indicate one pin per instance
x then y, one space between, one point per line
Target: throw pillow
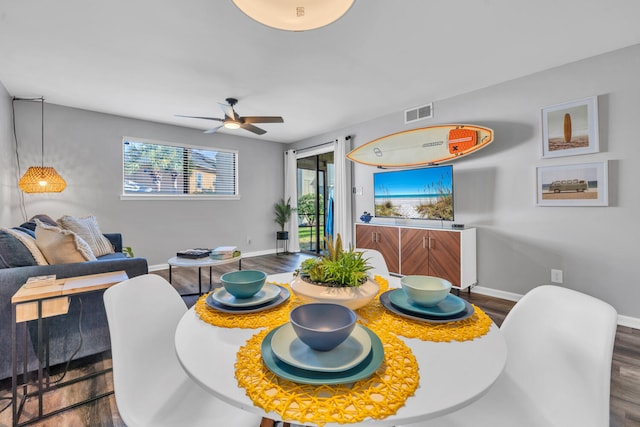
18 249
88 229
31 224
61 246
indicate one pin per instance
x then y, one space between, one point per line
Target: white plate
264 295
287 347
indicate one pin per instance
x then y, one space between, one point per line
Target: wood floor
625 374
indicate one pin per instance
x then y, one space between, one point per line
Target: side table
38 304
200 262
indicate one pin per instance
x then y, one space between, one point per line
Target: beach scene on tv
425 193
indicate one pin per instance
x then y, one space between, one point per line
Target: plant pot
282 235
352 297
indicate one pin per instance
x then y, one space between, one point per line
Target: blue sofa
87 314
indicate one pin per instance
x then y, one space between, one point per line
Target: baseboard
628 321
509 296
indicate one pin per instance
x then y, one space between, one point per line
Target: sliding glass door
315 200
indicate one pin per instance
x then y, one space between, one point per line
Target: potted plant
283 212
339 276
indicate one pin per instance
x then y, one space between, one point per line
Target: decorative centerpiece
338 277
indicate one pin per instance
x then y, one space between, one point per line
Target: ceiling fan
234 121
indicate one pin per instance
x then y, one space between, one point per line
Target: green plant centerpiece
337 268
339 276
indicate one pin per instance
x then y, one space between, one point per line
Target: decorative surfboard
423 146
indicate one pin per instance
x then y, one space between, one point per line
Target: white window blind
158 168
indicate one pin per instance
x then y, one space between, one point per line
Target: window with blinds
152 168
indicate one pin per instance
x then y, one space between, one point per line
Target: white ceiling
152 59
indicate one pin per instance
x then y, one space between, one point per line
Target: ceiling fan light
42 179
294 15
231 124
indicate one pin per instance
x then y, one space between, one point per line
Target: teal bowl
427 291
243 283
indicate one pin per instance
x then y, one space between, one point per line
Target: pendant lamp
294 15
42 179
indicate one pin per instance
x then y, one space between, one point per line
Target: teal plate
267 293
386 302
450 306
303 376
286 346
282 297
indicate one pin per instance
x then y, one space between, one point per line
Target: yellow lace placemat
380 320
376 397
267 318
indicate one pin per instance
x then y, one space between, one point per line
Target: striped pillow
87 228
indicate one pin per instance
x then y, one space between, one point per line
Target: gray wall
86 149
518 242
9 194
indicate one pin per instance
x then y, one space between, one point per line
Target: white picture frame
580 184
570 128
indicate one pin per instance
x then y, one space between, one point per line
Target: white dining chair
558 371
376 260
151 388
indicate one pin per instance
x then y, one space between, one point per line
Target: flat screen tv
424 193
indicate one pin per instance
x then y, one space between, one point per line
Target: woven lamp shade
42 179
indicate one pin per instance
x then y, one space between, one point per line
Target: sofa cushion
115 255
61 246
18 249
87 228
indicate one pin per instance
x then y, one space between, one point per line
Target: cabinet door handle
373 237
424 242
432 244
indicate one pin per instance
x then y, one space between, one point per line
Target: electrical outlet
556 276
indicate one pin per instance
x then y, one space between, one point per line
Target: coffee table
200 263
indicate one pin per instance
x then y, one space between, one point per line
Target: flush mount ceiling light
294 15
42 179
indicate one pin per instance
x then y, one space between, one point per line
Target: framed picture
582 184
570 129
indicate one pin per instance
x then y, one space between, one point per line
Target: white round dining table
452 374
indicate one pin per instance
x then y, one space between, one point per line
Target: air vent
418 113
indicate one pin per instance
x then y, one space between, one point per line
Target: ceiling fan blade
263 119
252 128
213 130
228 111
199 117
